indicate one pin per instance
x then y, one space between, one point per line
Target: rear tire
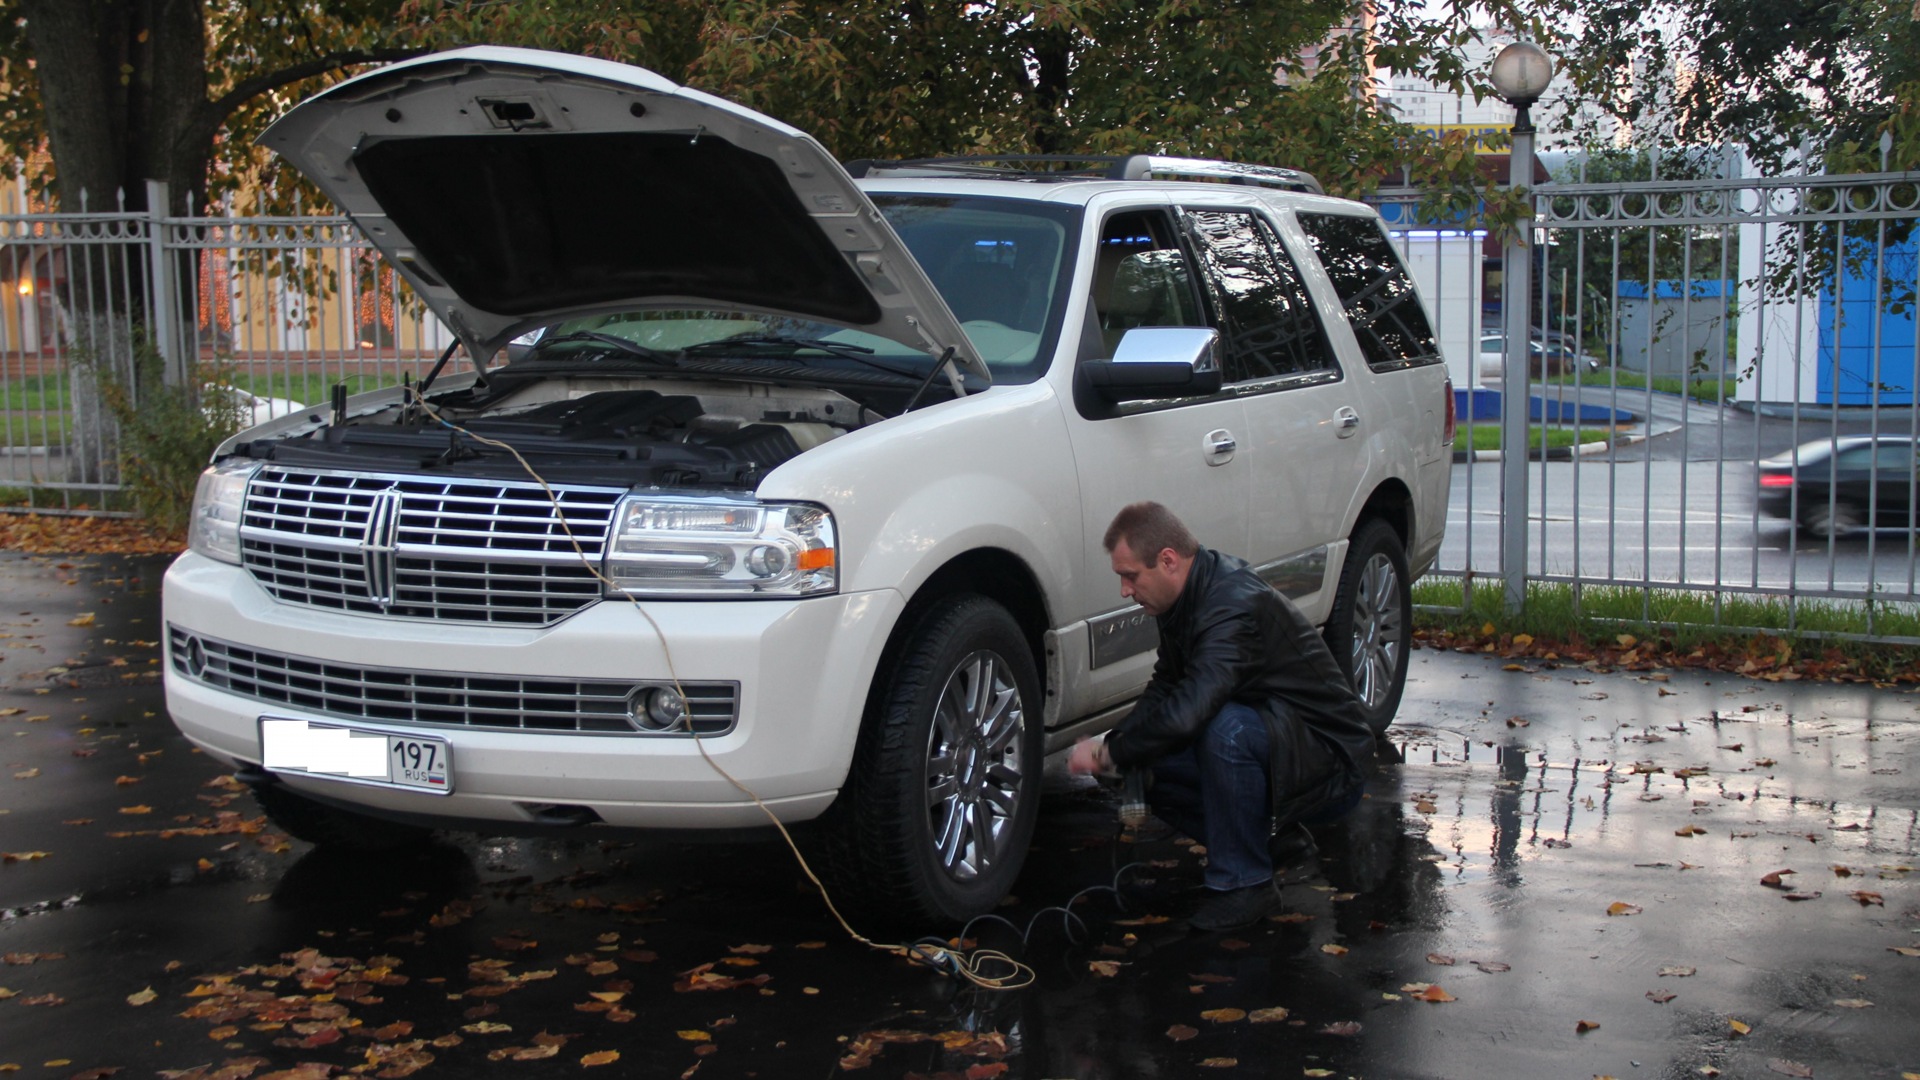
1829 522
330 827
939 804
1371 629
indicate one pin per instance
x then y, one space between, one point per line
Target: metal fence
1689 335
1687 330
267 313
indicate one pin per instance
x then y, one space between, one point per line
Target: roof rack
1091 167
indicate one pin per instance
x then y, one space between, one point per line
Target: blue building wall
1847 375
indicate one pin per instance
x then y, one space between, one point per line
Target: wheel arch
1392 502
992 572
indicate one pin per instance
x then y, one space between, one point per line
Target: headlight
667 547
217 503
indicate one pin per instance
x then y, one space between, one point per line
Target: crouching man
1248 726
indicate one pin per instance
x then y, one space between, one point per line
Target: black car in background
1830 487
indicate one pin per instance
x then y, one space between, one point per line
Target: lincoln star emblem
378 543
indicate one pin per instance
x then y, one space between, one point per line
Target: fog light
766 561
658 709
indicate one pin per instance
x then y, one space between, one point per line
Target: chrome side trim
1299 575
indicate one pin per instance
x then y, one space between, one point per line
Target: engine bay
583 431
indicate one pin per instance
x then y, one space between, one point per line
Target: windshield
1000 264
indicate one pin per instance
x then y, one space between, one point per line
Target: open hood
514 187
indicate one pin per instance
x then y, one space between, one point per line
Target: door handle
1220 445
1345 421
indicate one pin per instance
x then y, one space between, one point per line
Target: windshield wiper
787 346
775 343
630 348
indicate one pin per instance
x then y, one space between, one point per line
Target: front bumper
803 668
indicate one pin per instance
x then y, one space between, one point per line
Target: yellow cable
966 965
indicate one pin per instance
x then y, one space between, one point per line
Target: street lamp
1520 74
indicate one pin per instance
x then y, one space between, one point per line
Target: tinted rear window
1382 305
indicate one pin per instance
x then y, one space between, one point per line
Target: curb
1558 453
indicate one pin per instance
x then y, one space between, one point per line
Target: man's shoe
1235 908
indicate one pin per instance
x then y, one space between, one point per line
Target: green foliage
167 433
1800 83
1682 619
1282 82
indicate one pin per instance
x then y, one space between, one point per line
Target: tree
126 90
1803 83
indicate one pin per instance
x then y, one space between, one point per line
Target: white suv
782 474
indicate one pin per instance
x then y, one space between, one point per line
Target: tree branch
223 106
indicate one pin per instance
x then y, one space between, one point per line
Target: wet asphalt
1573 858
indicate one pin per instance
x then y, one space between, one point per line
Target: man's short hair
1149 528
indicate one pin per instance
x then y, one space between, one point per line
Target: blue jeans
1216 791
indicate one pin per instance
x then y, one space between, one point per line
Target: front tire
939 804
1371 629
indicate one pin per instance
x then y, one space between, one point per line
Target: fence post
161 311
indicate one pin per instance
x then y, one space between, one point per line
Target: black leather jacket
1231 638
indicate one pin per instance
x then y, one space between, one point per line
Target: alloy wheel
975 764
1379 630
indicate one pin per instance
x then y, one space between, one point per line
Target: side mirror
1159 362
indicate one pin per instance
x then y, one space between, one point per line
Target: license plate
365 757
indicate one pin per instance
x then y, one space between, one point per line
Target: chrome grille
457 699
412 547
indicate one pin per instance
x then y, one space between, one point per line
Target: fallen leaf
1867 898
1290 917
1334 950
600 1057
1763 763
1317 1072
83 619
1181 1032
1660 997
26 774
136 809
1677 972
1904 950
1440 958
1772 880
1840 870
1788 1068
486 1027
1689 830
1267 1016
749 950
1854 1003
1814 895
1104 968
1492 967
1621 907
1219 1062
144 997
1343 1027
694 1035
1584 1026
1740 1028
1435 995
1224 1016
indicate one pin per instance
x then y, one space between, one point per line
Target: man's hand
1089 758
